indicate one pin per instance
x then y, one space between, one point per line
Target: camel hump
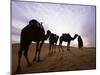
36 24
33 22
66 35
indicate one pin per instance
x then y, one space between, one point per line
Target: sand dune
75 59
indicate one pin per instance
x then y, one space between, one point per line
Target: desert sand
75 59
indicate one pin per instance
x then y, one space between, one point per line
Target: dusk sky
58 18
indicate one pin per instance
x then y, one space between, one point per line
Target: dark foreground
75 59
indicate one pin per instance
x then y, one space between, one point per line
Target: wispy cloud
59 18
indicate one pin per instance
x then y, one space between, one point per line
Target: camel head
33 22
75 36
57 36
48 34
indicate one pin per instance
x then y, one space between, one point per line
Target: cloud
15 34
15 31
59 18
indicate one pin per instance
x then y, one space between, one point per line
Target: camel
34 31
80 42
66 38
56 40
52 42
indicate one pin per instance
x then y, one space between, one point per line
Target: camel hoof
18 69
38 60
34 59
29 65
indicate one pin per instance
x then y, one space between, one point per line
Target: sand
75 59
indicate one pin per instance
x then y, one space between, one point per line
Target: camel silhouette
66 38
52 43
34 31
80 42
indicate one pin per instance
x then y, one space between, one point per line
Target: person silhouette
80 42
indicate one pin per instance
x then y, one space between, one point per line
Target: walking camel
56 40
66 38
34 31
52 43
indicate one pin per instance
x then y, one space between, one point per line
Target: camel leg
36 51
26 53
62 49
60 46
55 48
49 49
55 45
52 48
68 46
39 50
19 59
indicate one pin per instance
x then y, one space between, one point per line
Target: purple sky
59 18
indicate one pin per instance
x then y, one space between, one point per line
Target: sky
58 18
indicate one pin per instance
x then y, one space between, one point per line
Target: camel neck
74 38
